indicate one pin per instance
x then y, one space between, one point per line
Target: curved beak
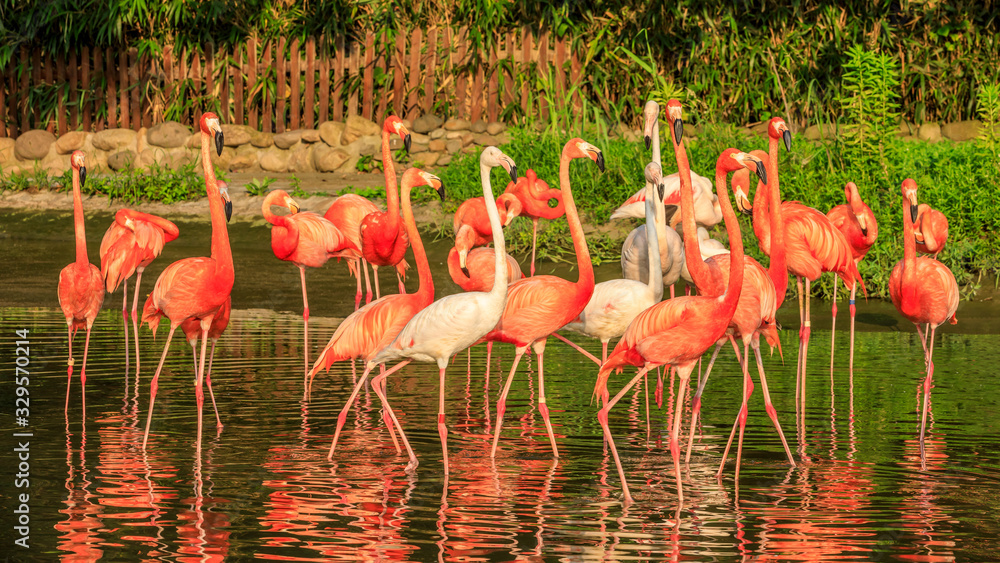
662 190
786 136
678 129
649 141
292 206
597 156
406 142
743 202
913 212
219 141
863 223
761 171
508 164
83 175
510 217
227 204
438 186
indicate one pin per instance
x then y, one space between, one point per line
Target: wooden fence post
368 83
430 64
522 68
310 109
135 85
461 72
492 93
381 60
355 63
543 71
279 66
398 75
338 80
269 95
296 80
62 93
413 78
252 105
324 81
238 92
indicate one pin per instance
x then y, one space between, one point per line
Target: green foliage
870 106
988 110
365 164
257 186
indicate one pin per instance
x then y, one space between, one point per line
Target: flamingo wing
814 246
367 330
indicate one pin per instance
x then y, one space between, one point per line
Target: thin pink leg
69 363
125 321
199 388
489 354
442 429
402 286
658 394
645 387
802 328
368 283
386 418
927 397
604 352
768 405
154 384
671 291
696 401
741 420
684 375
602 417
357 275
211 394
342 417
853 310
305 318
502 401
534 242
378 384
579 349
833 326
83 370
542 405
135 316
378 290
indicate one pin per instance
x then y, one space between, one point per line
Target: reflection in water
263 489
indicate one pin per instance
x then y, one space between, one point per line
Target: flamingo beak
511 168
227 204
663 190
761 171
863 223
649 141
438 186
465 272
599 159
786 136
913 212
743 203
219 141
407 140
292 206
83 175
678 129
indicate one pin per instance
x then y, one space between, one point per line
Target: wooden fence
286 85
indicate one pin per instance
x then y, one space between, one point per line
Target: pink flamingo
131 243
857 222
304 239
81 287
472 225
372 327
924 291
535 196
540 305
450 324
930 230
346 213
383 243
479 269
678 331
192 331
195 288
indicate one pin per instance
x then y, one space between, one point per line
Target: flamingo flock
735 300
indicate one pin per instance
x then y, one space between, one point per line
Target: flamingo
81 287
708 246
535 197
678 331
923 291
812 246
450 324
383 243
479 269
304 239
192 331
857 222
346 213
131 243
195 288
540 305
472 225
616 302
930 230
372 327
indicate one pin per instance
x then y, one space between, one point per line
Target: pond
263 488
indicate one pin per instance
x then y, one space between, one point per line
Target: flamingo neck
732 295
78 224
283 244
575 228
653 242
499 250
426 287
221 252
697 267
170 231
656 142
778 267
909 274
389 170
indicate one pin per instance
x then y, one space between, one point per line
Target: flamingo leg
542 405
502 401
833 326
83 370
805 342
602 417
154 384
69 362
684 375
645 387
927 397
386 417
658 394
768 405
342 417
135 316
740 422
534 242
125 320
378 290
305 318
357 275
442 429
604 352
489 353
199 388
368 283
802 326
671 291
379 385
211 394
577 347
923 339
853 311
696 401
402 286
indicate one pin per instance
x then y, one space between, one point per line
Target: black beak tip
786 136
440 192
761 172
913 213
600 161
407 140
747 210
219 141
679 129
465 271
663 191
649 141
864 232
513 173
83 175
229 210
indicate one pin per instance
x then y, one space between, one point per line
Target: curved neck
575 228
389 170
736 259
220 233
656 142
499 251
909 250
426 287
700 274
653 243
78 226
778 267
170 231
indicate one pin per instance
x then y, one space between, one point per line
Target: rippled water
264 489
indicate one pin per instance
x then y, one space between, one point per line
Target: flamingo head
428 179
918 222
649 114
777 129
511 205
732 160
227 203
910 194
741 191
76 160
492 157
654 176
394 126
210 125
674 117
857 206
578 148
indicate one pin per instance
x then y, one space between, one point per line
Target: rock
310 136
418 147
112 139
454 135
437 145
70 142
428 158
395 143
437 133
467 139
479 126
6 149
56 164
456 124
930 132
453 146
408 124
194 141
274 160
147 158
356 127
168 134
819 131
962 130
368 145
176 157
121 159
34 144
485 140
141 143
445 160
328 159
495 128
631 136
300 159
503 138
427 123
236 135
242 162
758 128
262 140
222 161
906 129
287 139
331 132
420 138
